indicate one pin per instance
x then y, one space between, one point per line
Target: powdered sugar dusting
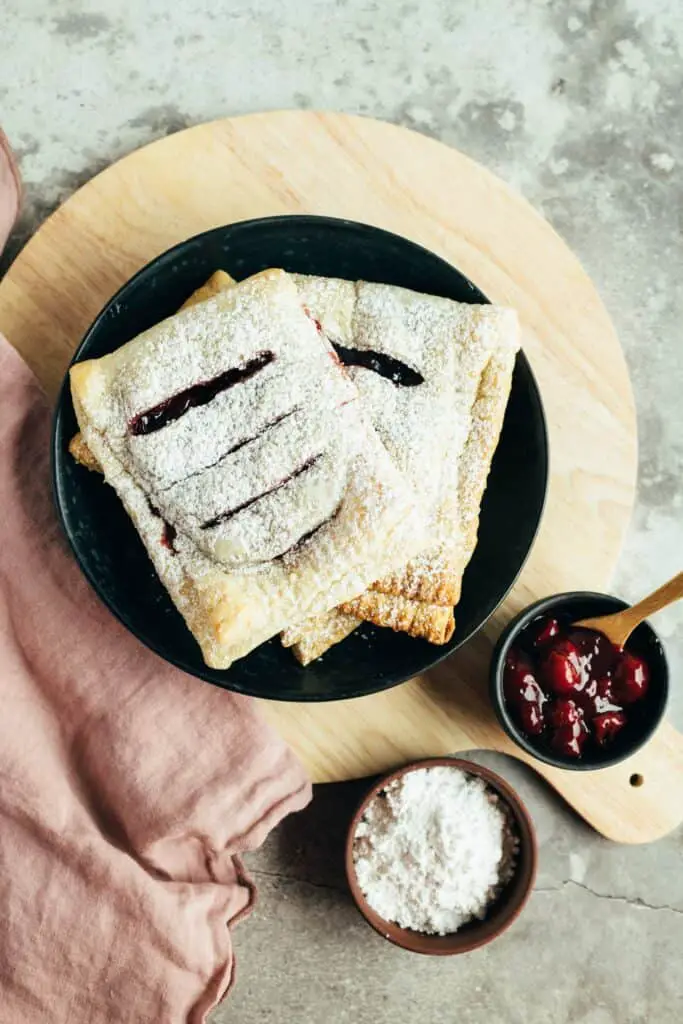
432 850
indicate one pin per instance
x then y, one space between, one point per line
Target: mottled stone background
577 104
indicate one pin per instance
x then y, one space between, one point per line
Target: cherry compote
571 689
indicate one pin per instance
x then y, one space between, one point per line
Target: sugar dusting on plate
433 850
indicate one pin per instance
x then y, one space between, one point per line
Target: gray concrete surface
578 104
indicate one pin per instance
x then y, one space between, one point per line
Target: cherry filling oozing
570 689
386 366
169 534
223 517
199 394
318 325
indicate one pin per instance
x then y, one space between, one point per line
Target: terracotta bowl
502 912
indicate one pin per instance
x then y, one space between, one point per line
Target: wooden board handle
637 801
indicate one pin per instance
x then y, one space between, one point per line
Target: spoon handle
660 598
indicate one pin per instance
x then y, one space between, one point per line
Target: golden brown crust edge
79 450
429 621
318 634
439 587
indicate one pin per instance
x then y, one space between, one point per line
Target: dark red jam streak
569 689
309 535
170 533
318 325
199 394
301 541
386 366
243 443
223 517
248 440
169 536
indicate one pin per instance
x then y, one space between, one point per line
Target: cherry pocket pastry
435 376
237 445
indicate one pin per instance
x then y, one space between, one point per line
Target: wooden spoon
619 626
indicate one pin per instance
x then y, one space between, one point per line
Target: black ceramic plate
112 556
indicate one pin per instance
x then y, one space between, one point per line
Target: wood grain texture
302 162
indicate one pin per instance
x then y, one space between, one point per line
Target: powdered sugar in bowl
441 856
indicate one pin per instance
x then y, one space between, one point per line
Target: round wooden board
365 170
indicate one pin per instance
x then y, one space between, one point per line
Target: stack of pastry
300 454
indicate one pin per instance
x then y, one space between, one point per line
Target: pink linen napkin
127 788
